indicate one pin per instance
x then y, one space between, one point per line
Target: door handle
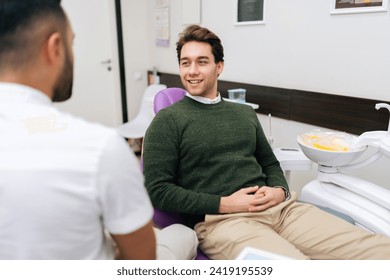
108 61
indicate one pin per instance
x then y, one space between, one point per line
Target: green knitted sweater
195 153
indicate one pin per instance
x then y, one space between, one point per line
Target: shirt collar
205 100
18 92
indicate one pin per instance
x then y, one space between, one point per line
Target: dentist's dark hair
24 26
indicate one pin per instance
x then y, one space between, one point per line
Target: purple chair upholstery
166 97
163 99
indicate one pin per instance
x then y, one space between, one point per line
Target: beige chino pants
176 242
293 229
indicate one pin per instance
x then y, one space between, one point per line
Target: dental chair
136 128
161 218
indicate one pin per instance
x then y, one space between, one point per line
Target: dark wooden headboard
337 112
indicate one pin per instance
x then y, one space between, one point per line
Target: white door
96 87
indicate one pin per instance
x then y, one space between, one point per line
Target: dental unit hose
387 106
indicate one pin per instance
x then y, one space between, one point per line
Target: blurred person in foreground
69 189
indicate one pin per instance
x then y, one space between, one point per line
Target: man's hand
240 201
251 199
266 197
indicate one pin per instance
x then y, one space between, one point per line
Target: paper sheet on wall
161 3
162 22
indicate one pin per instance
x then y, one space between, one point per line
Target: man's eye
203 62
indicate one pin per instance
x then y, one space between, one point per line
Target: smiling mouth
194 82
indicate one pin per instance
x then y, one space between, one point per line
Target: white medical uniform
63 182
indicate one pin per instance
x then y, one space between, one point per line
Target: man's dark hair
200 34
21 21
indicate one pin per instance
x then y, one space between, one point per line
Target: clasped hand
252 199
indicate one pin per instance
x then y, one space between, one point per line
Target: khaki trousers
293 229
176 242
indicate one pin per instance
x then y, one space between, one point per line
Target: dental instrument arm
387 106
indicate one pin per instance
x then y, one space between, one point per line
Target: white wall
301 46
136 22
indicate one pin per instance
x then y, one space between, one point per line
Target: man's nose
193 69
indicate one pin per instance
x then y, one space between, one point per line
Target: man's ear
220 66
54 48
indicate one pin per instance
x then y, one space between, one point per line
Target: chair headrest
166 97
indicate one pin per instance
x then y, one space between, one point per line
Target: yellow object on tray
329 141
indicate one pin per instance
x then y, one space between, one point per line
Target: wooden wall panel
336 112
349 114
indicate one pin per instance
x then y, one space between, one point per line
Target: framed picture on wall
249 12
357 6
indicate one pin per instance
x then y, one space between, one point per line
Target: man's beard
63 87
